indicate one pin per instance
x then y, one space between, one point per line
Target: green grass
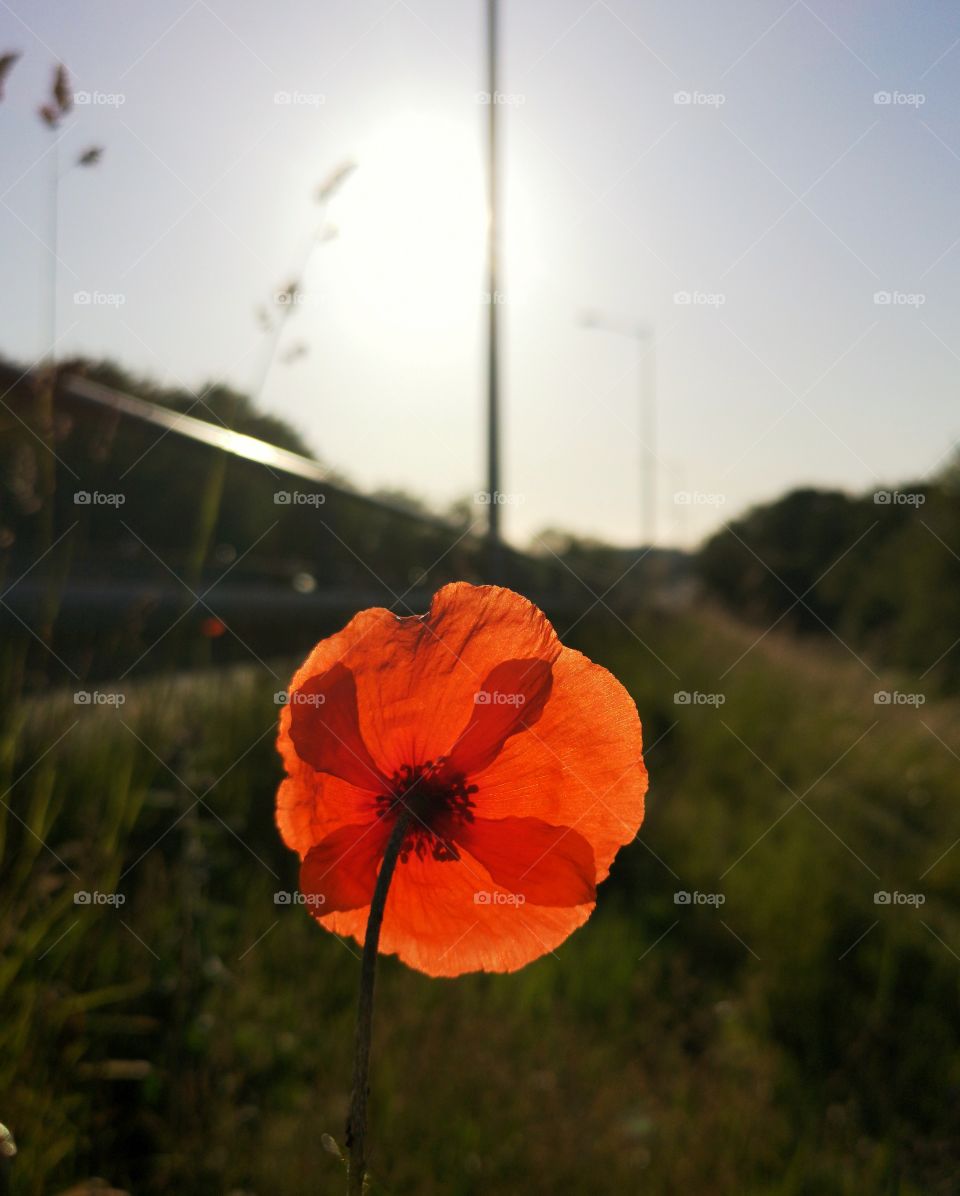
199 1038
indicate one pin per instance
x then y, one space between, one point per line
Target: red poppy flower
519 760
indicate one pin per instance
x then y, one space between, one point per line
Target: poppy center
437 799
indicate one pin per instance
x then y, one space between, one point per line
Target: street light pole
647 380
648 433
493 365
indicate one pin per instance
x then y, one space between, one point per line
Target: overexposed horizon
769 187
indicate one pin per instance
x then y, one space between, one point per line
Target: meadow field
780 1034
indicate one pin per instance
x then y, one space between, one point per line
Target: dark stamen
434 796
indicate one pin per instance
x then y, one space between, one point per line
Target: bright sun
412 220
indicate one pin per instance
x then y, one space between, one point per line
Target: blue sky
783 198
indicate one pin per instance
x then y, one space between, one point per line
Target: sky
765 190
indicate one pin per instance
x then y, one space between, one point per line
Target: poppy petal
581 766
441 918
532 860
510 698
417 677
340 872
325 729
311 804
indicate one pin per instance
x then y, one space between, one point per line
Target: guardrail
236 444
97 585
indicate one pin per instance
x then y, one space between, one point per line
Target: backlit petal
581 765
340 872
325 729
532 860
510 698
311 804
439 920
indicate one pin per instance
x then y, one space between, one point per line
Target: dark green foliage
884 577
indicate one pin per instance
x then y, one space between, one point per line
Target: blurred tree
882 575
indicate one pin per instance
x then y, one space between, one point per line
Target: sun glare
412 222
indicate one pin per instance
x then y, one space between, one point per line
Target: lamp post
643 336
493 308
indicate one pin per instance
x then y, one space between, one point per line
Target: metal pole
493 389
649 436
647 486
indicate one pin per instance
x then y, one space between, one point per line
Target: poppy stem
357 1119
